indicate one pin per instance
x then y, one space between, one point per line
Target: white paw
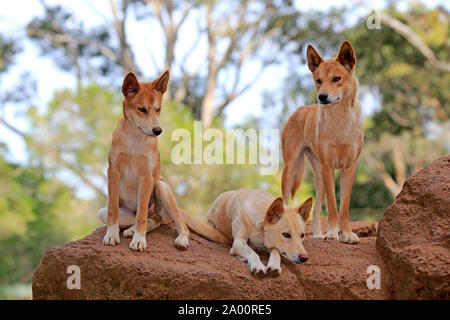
273 271
257 269
350 238
332 234
112 237
138 243
129 232
318 235
182 242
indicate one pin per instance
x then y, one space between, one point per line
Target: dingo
330 134
135 188
255 217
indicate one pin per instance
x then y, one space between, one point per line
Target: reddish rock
414 235
205 271
412 250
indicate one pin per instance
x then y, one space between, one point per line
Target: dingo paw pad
332 234
349 237
129 232
111 237
138 243
182 242
273 272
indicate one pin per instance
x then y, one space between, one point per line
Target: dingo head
334 78
142 104
284 229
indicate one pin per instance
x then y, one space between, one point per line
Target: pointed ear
305 208
275 211
346 56
160 84
130 86
314 59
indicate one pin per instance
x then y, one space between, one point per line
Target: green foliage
412 91
8 49
75 132
35 213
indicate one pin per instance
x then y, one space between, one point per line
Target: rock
361 228
414 235
412 249
205 271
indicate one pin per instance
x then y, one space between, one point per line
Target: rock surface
205 271
411 245
414 235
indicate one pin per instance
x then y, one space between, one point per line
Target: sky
16 14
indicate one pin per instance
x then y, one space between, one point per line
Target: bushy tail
298 176
203 229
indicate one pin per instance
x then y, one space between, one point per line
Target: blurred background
234 64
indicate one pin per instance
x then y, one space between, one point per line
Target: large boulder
412 250
205 271
414 235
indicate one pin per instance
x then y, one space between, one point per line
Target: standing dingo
330 135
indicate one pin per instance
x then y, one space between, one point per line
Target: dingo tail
203 229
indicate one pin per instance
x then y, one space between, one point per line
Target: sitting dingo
254 217
135 188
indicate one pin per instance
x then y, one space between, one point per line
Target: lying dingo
255 217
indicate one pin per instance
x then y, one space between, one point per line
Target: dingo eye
303 235
319 81
286 235
158 109
143 110
336 79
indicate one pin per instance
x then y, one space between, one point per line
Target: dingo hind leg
293 171
169 204
318 185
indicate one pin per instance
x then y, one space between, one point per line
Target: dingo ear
305 208
275 211
130 86
160 84
314 59
346 56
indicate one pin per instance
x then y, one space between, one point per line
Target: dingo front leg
139 243
328 179
347 176
273 266
241 249
112 224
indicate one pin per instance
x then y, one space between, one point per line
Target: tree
35 212
242 28
74 133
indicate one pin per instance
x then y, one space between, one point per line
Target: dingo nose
303 257
323 97
157 131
